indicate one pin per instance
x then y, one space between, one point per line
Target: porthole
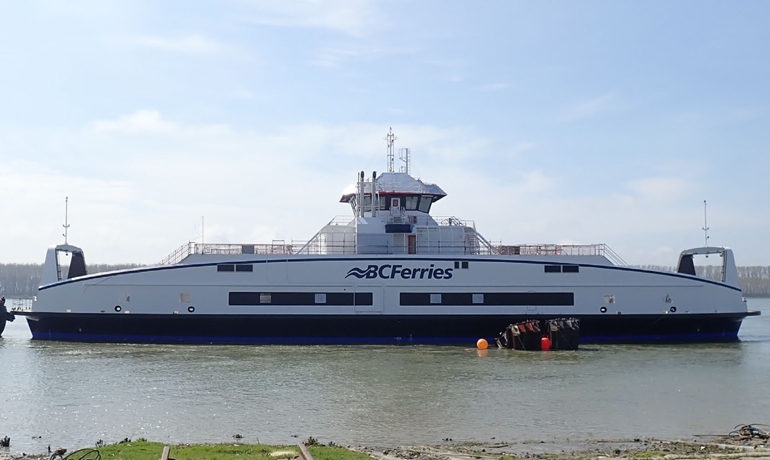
191 309
603 309
672 309
117 308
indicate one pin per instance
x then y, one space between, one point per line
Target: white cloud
452 77
590 107
397 111
194 44
352 18
245 95
148 121
337 55
138 185
332 57
493 87
520 147
660 188
451 70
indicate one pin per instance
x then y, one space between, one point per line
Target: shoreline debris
748 431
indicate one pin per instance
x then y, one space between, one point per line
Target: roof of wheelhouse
392 183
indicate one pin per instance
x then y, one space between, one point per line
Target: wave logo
388 271
370 272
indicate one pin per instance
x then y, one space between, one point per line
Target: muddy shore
714 447
605 449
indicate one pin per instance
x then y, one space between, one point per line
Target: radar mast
390 138
405 155
705 226
66 218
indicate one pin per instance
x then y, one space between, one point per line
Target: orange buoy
545 344
482 344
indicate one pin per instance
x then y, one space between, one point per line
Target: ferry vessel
392 273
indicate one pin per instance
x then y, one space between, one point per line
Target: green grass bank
145 450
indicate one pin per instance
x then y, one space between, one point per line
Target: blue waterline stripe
380 259
111 338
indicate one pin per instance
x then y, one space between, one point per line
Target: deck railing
20 305
329 241
184 251
599 249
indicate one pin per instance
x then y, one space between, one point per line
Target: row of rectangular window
301 298
561 268
488 298
235 268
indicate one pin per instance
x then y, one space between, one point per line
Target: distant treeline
755 281
22 280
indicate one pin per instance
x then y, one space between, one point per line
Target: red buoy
545 344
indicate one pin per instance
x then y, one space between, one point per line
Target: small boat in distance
392 273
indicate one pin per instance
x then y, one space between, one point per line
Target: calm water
74 394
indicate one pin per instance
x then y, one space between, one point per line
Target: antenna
405 155
66 218
391 139
705 225
203 228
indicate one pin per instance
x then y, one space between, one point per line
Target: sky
544 121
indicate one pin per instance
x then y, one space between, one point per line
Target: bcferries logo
389 272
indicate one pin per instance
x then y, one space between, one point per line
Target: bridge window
425 202
410 203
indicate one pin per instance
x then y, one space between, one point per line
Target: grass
144 450
650 454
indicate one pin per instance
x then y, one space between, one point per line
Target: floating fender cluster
541 335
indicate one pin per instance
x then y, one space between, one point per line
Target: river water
71 395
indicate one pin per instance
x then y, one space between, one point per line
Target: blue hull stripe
384 259
469 341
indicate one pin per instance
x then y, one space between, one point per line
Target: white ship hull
322 299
